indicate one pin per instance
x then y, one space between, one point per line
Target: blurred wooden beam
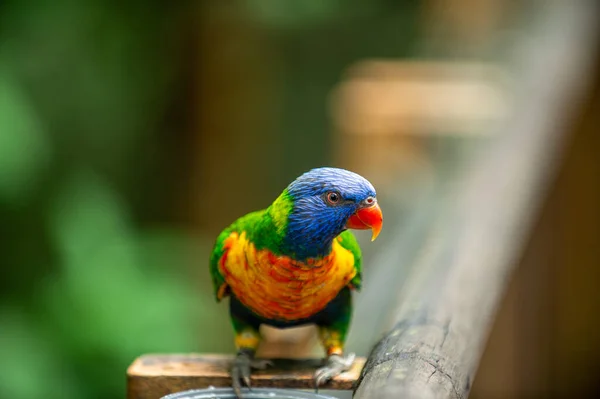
236 140
420 97
480 224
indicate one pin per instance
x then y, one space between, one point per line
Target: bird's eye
370 201
333 197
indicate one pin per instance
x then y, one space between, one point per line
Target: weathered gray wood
438 331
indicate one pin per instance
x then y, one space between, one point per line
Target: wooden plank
155 375
480 222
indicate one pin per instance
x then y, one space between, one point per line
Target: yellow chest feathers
280 288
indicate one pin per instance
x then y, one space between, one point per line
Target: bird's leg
246 341
335 363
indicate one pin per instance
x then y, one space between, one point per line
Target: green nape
270 230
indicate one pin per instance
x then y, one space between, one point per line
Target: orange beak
367 218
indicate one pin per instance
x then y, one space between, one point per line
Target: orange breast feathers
279 288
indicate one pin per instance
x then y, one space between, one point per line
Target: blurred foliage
96 266
89 281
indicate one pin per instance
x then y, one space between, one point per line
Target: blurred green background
111 130
132 132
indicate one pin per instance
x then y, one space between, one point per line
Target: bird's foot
242 365
335 365
260 364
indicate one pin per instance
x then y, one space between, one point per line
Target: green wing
348 241
218 251
245 223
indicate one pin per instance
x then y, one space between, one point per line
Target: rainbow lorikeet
296 263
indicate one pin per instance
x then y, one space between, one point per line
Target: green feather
349 242
268 232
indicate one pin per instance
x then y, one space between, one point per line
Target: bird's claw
240 371
242 365
260 364
336 365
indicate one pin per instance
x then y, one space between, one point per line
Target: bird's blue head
327 201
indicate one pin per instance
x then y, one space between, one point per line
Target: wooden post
153 376
479 224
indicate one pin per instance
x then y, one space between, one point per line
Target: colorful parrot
296 263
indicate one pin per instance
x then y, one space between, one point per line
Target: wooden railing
479 223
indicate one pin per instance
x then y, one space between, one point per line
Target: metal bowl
255 393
